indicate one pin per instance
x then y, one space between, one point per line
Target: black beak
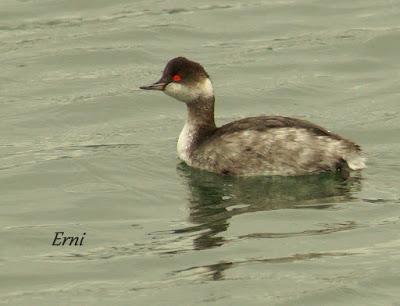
156 86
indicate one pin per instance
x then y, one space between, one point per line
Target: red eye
177 78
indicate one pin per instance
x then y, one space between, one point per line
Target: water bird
262 145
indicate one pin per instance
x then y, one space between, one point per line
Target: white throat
187 93
185 140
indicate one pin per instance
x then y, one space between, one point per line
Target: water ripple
215 271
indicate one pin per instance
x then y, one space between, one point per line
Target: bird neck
199 125
200 113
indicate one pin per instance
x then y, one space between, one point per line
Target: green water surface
82 150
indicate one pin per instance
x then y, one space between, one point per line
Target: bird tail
355 160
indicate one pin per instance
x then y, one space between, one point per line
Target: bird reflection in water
214 199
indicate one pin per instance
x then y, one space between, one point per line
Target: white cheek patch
180 92
206 88
187 93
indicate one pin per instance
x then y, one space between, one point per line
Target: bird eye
176 78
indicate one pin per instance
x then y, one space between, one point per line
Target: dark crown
188 70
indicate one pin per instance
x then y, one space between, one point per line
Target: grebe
263 145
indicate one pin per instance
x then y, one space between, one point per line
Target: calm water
82 150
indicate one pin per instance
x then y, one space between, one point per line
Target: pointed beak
156 86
